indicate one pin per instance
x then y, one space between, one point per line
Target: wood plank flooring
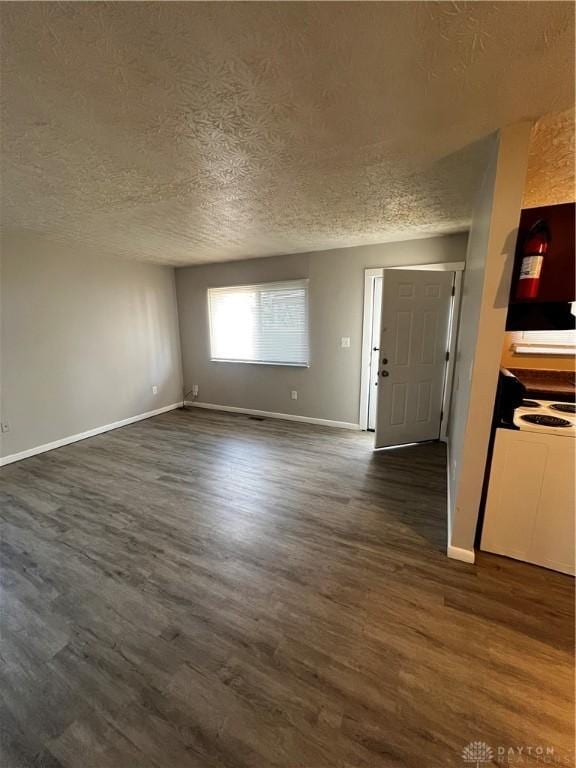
205 590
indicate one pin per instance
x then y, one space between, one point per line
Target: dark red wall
558 277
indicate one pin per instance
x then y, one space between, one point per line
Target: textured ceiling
550 177
193 132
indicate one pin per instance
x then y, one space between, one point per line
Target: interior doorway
421 313
374 330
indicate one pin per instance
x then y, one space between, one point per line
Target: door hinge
447 356
453 291
441 416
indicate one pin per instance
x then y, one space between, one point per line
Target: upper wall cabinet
558 276
550 308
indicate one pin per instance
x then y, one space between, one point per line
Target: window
545 342
266 323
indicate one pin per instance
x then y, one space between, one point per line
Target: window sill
543 349
259 362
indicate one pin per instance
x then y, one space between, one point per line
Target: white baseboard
83 435
272 415
457 553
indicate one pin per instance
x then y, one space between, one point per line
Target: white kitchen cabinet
530 507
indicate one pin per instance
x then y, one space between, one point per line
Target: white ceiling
193 132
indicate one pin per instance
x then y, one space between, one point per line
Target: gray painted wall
484 306
330 388
472 287
83 339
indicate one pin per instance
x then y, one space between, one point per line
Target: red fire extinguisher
533 252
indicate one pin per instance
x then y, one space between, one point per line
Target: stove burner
545 421
529 404
563 407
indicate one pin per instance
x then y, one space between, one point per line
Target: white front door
413 350
374 353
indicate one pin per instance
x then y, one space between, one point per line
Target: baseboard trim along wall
272 415
457 553
83 435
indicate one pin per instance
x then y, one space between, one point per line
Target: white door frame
369 275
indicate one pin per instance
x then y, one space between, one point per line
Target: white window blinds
266 323
545 342
564 338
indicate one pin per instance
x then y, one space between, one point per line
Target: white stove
547 417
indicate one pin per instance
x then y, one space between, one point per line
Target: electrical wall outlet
5 427
195 390
345 342
154 389
294 394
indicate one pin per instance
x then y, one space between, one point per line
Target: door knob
384 361
385 373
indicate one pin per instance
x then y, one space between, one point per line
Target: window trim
306 284
524 346
534 348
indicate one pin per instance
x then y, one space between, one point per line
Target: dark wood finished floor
202 590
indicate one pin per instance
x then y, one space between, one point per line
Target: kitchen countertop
544 384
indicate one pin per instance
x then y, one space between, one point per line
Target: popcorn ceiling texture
184 133
550 178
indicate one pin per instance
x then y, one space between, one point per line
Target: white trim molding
370 273
457 553
452 340
526 348
83 435
272 415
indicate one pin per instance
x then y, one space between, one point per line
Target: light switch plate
345 343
